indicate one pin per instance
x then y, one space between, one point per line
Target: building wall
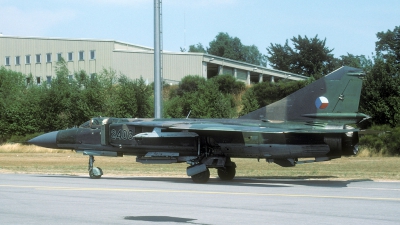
241 75
175 66
227 70
132 60
130 47
13 47
134 64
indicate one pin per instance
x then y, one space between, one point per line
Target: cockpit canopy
96 122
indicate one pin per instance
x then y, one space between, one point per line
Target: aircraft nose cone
45 140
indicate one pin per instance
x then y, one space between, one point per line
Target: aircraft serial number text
121 134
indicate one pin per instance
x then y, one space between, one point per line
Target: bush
383 140
227 84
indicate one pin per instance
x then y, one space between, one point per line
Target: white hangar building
38 56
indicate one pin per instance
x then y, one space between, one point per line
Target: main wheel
95 173
202 177
227 173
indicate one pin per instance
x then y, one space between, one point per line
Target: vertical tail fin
335 97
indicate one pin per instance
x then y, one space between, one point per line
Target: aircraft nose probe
45 140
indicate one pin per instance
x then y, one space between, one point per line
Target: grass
15 158
18 148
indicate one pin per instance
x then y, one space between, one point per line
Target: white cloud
16 21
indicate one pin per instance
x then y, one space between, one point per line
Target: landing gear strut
94 172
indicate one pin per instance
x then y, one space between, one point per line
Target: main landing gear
200 172
202 177
94 172
228 172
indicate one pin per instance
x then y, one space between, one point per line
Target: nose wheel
94 172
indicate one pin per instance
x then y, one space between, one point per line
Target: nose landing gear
94 172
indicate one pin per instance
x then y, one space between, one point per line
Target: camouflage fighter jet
311 123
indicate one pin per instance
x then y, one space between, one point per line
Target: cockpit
94 123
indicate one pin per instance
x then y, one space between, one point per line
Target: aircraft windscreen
93 123
85 124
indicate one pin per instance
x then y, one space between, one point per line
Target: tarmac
58 199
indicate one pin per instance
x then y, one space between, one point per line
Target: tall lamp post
157 60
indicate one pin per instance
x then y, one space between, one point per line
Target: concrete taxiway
48 199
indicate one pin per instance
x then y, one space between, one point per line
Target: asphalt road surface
47 199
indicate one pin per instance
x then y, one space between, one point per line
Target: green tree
232 48
11 85
92 95
143 95
23 116
357 61
197 48
211 98
109 81
60 101
182 100
280 56
251 54
189 84
380 97
309 56
19 105
126 104
227 84
174 107
249 102
124 97
388 45
385 143
226 46
211 103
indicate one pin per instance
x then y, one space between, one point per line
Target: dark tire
94 173
227 173
202 177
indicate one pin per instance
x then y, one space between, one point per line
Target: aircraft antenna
188 114
184 30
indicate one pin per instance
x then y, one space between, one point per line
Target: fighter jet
312 123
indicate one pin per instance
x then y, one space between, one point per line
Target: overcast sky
349 26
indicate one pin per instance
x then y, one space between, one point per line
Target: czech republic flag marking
321 102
